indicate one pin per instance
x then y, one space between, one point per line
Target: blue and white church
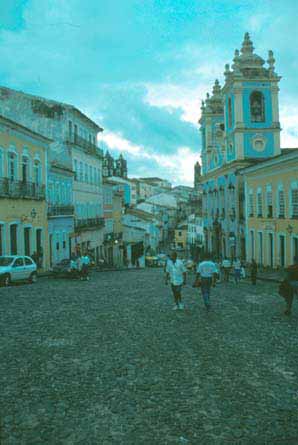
239 127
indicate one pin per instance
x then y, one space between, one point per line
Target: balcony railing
60 210
87 145
89 223
21 189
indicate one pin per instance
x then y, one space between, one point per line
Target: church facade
239 127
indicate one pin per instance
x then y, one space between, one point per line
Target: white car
17 268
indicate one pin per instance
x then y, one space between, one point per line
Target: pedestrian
290 287
79 265
253 272
226 265
237 270
286 291
176 272
206 274
243 273
85 267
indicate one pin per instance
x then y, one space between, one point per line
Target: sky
140 68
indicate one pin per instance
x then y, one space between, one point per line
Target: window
75 167
259 203
250 204
294 202
281 203
1 164
91 174
86 173
28 262
229 112
18 262
12 166
70 130
269 202
37 172
257 107
81 174
1 239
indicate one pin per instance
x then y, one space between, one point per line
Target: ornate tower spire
247 46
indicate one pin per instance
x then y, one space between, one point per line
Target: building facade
60 211
239 127
73 146
271 189
23 178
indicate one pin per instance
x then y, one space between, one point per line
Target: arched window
25 168
12 166
37 172
229 112
257 107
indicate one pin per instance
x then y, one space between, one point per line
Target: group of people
79 265
237 268
208 272
176 273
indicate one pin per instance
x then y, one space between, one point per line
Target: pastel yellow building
23 207
271 197
181 236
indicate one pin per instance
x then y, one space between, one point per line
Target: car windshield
5 261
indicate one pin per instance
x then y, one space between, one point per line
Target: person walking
290 286
226 265
206 274
237 270
176 273
85 267
253 272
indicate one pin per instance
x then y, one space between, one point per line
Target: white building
74 146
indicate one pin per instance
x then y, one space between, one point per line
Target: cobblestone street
109 362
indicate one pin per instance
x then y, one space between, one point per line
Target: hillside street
109 362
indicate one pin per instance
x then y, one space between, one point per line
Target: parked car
15 268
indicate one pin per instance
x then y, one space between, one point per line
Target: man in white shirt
226 265
176 272
206 272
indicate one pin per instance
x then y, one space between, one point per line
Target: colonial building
60 211
23 177
74 147
240 127
271 229
114 167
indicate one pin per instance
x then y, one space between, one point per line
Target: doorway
282 250
13 239
27 232
270 249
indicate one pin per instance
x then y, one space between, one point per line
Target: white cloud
289 125
177 167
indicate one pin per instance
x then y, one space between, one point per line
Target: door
260 248
282 250
270 250
13 239
39 249
295 250
18 270
27 241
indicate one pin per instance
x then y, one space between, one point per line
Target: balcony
21 190
85 144
89 223
60 210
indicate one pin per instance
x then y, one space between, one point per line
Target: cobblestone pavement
109 362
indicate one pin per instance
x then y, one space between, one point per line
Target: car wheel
33 278
6 280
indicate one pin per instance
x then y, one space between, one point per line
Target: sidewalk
270 275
